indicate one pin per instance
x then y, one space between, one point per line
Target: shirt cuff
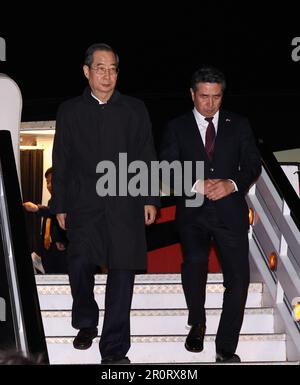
194 187
200 187
234 184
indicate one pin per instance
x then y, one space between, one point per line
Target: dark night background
159 50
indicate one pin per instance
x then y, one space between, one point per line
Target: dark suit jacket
54 260
235 157
56 232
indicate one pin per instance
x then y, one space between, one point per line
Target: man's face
208 98
102 75
49 183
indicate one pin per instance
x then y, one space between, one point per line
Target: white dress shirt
95 97
202 123
202 126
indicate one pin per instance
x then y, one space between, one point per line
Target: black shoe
84 338
115 361
194 340
226 357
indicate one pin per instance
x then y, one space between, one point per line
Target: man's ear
86 71
192 94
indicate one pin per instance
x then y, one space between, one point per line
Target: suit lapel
223 124
194 137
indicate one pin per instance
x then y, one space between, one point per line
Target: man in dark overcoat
102 230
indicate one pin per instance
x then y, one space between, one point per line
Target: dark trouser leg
115 336
54 261
193 276
233 252
85 311
195 244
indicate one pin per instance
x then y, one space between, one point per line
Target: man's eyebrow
104 65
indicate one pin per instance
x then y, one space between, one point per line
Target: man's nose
107 74
210 102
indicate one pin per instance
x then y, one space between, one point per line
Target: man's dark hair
208 74
88 58
48 172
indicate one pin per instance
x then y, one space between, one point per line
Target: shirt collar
95 97
200 119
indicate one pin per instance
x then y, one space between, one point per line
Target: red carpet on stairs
168 259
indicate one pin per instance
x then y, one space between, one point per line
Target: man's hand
150 214
202 186
31 207
61 218
215 189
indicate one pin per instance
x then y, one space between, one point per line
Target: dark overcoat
109 231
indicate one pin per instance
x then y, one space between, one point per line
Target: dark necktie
210 136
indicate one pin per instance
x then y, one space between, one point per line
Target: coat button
211 169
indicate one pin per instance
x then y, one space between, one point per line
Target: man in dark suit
225 143
107 230
53 240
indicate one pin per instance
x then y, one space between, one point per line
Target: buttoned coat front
109 230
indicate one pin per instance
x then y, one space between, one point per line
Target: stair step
163 322
158 322
62 279
170 349
156 296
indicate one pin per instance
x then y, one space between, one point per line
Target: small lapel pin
228 120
